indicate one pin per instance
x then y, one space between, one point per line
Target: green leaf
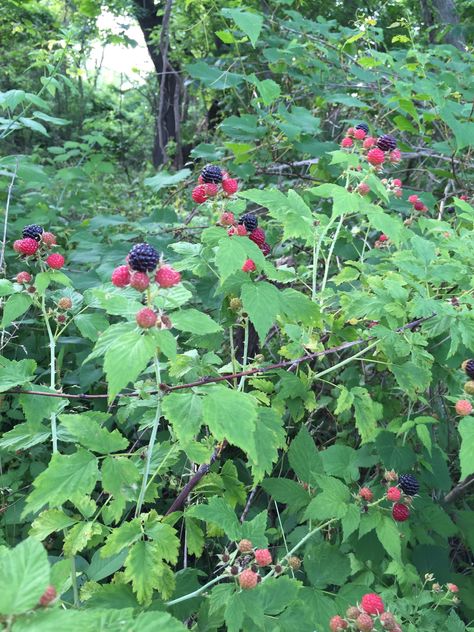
50 521
184 412
126 358
100 567
146 571
269 437
121 537
194 537
389 537
6 287
24 576
466 453
37 407
326 564
15 373
119 475
219 513
341 461
343 201
214 77
249 23
33 125
194 321
44 279
165 538
304 458
78 536
230 256
15 306
91 326
350 521
166 343
163 179
261 301
231 415
66 476
367 413
332 502
87 431
286 491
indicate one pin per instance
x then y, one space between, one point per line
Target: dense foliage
236 388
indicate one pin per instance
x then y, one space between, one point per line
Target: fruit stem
316 250
196 592
75 590
328 260
245 356
52 371
151 443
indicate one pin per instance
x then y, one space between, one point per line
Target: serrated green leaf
121 537
261 301
466 453
184 412
389 537
332 502
15 306
126 358
147 572
78 536
195 322
50 521
304 458
249 23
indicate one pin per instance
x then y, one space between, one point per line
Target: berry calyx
121 276
245 546
166 276
23 277
400 512
227 219
211 189
347 142
463 407
199 194
366 494
263 557
230 185
65 303
146 318
248 579
371 603
139 281
27 246
364 623
249 266
337 624
257 236
386 142
48 239
408 484
393 494
143 257
33 231
363 188
376 156
211 174
48 596
55 261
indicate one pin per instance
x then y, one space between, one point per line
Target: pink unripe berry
383 238
23 277
199 194
400 512
412 198
263 557
48 238
376 156
452 588
48 596
352 612
364 623
55 261
388 621
65 303
398 193
397 182
227 219
248 579
146 318
337 624
140 281
363 187
249 266
245 546
395 156
350 131
359 134
393 494
121 276
166 276
211 189
369 142
230 185
366 494
463 407
347 142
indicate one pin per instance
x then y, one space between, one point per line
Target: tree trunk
442 13
168 104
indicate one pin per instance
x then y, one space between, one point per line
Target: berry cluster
463 406
141 269
208 184
246 226
36 243
417 204
366 616
401 495
378 149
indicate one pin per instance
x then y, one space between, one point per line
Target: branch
459 490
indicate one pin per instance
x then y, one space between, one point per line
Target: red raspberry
248 579
363 187
376 156
211 189
65 303
48 596
463 407
55 261
360 134
257 236
27 246
412 198
418 205
372 604
337 624
464 198
121 276
350 131
383 238
146 318
17 245
245 546
397 182
393 494
263 557
369 142
230 185
366 494
452 588
48 239
347 142
249 266
395 155
227 219
265 248
400 512
199 194
388 621
166 276
23 277
139 280
364 622
424 209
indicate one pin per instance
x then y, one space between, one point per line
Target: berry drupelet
33 231
386 142
211 174
408 484
143 258
250 221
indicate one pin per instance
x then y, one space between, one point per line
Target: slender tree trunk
442 14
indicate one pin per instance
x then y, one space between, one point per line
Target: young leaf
126 358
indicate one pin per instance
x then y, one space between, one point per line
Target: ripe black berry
250 221
363 126
469 368
408 484
33 231
386 142
211 173
143 258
